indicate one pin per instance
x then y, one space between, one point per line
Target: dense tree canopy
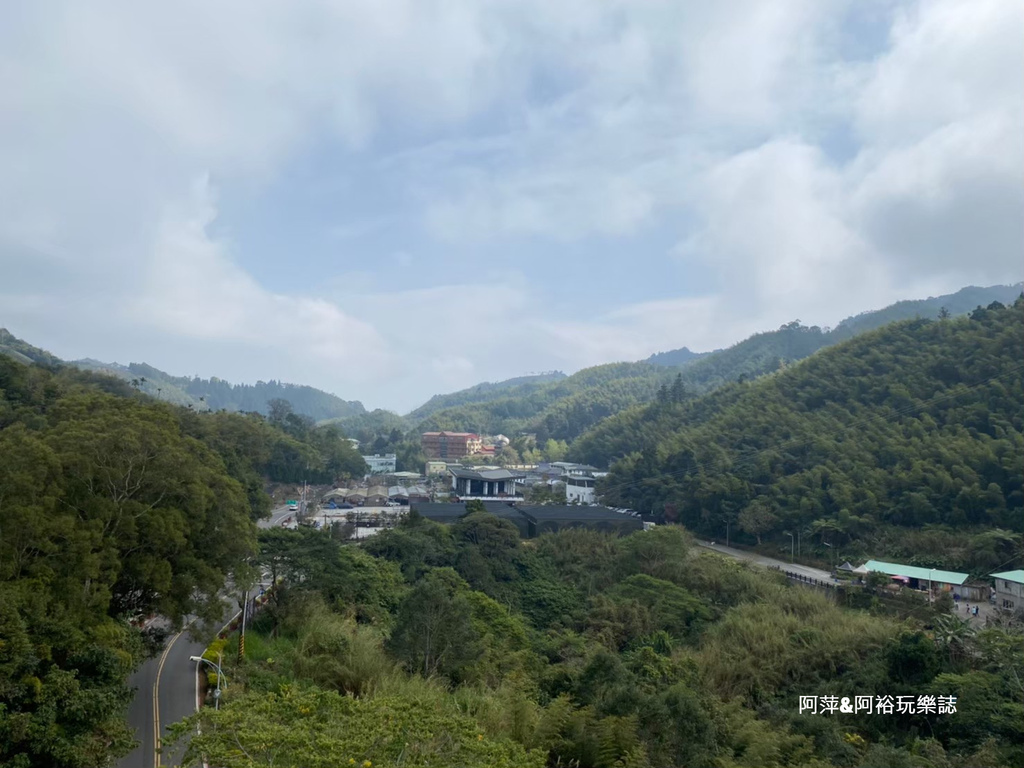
916 427
114 505
584 649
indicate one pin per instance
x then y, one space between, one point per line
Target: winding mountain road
166 689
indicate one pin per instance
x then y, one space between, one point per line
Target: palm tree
955 635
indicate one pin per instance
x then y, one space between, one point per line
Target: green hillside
558 410
960 303
907 440
115 505
566 407
521 386
23 352
677 357
434 646
767 352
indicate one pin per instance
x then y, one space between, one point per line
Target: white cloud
194 289
558 121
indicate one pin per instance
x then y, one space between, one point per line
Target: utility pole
241 636
792 551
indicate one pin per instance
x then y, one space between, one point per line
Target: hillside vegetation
558 410
563 408
461 645
516 387
907 440
216 394
114 505
768 352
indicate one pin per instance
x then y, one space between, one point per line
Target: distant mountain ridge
24 352
203 394
216 394
484 391
677 357
766 352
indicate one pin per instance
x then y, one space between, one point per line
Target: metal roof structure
571 512
1015 576
915 572
486 474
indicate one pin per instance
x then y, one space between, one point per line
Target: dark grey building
550 518
469 483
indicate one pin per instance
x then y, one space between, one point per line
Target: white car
293 507
392 504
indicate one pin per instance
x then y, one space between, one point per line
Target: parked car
392 504
345 506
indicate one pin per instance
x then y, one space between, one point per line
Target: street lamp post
220 674
792 545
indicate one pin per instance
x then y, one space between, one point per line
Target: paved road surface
166 687
768 562
985 610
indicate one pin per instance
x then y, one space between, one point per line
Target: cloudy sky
392 198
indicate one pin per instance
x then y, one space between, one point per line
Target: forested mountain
766 352
216 394
23 352
112 505
904 441
960 303
432 646
521 386
565 408
560 409
202 394
677 357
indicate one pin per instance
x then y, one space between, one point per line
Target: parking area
368 521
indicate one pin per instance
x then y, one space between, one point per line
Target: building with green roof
920 578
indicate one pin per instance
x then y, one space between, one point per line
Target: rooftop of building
916 572
1015 576
470 435
437 509
485 474
571 512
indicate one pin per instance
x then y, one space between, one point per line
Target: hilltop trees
913 428
590 650
113 507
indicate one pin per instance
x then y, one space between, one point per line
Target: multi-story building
484 483
579 488
381 465
450 445
1010 590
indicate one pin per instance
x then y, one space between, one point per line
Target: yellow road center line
156 700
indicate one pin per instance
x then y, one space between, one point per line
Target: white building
381 465
579 488
1010 590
